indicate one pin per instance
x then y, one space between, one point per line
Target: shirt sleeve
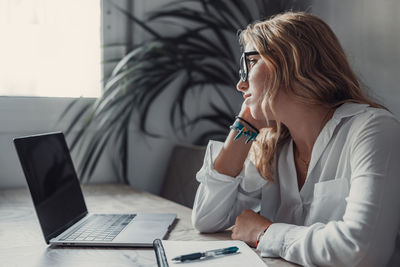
367 234
221 198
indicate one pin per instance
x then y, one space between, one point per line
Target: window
50 48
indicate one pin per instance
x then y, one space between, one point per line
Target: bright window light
50 48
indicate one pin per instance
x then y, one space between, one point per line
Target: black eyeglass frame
244 66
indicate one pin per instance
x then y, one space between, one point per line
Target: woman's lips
246 96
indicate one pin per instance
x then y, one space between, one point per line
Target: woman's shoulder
363 115
367 120
377 117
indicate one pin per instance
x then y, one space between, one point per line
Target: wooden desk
22 243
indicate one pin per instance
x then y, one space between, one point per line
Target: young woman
320 184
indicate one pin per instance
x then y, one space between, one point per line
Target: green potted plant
202 56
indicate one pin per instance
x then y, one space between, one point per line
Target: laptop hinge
65 227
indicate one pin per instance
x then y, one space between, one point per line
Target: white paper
244 257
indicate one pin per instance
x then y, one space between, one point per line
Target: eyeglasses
244 64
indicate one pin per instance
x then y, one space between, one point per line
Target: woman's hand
259 124
248 225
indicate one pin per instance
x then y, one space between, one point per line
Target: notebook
166 250
60 205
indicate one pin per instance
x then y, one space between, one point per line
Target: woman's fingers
259 124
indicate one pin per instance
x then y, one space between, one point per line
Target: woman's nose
242 86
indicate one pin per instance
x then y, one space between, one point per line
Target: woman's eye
252 62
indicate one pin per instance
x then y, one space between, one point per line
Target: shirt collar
349 109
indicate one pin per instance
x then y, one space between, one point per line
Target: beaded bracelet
242 130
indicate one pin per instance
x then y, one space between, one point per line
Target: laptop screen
52 181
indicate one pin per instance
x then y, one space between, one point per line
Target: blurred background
139 87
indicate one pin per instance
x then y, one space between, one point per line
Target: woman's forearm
232 156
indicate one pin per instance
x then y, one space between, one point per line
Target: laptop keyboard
100 227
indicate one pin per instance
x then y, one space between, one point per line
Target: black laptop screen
52 181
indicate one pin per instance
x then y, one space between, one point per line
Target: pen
208 253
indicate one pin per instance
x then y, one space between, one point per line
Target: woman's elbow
201 224
205 224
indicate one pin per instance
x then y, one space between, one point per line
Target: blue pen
208 253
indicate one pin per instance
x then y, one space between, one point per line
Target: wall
20 116
369 31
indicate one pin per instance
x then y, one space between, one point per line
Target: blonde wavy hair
304 58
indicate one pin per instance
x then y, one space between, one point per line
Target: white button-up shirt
346 214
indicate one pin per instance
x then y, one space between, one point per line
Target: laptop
61 208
